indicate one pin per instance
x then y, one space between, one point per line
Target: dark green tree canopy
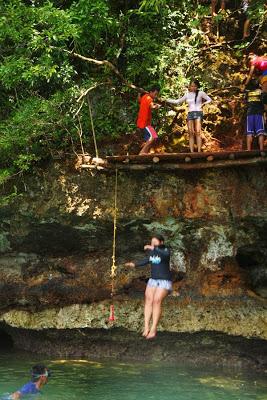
42 82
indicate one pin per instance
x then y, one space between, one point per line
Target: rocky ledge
202 349
56 241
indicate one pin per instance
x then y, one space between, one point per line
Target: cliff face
56 242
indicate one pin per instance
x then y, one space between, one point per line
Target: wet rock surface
199 349
56 244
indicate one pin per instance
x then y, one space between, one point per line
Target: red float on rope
112 313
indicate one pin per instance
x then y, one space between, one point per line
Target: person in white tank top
195 99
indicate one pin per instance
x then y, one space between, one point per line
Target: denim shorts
160 283
192 115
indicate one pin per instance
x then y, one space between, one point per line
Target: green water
84 379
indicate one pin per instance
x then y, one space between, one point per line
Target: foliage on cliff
42 82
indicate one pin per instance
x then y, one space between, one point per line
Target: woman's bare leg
149 296
159 296
198 134
191 132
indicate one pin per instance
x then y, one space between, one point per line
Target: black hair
197 83
140 95
252 85
155 88
159 237
38 370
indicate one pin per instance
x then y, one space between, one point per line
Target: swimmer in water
39 378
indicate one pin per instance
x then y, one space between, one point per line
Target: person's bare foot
145 332
152 334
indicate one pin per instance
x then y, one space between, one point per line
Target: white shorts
160 283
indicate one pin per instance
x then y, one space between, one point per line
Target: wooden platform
180 161
187 161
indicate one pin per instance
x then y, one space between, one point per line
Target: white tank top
193 103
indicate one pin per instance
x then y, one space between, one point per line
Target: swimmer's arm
16 396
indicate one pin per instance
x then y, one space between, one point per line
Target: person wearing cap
158 286
39 378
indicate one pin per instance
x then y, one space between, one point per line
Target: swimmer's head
40 373
157 240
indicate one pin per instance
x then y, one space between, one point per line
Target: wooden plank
189 166
185 157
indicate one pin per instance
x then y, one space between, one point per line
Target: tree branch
108 64
103 63
90 89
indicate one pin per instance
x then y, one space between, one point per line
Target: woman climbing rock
196 99
158 286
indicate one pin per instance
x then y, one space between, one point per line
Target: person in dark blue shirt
40 375
158 286
255 114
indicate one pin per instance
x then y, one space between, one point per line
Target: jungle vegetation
51 63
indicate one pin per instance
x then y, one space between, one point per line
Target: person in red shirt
256 63
144 118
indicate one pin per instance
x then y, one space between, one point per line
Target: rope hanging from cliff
113 272
92 124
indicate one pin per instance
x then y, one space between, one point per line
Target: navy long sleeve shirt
159 259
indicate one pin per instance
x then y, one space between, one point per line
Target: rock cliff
56 243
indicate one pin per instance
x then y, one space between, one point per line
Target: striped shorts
149 133
160 283
255 125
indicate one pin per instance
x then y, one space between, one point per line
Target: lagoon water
85 379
